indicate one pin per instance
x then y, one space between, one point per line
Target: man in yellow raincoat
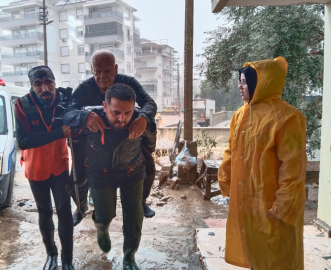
263 172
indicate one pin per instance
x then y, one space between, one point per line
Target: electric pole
188 71
43 16
178 96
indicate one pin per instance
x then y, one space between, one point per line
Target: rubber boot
77 220
67 263
148 213
129 262
51 249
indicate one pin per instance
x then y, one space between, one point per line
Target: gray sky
164 19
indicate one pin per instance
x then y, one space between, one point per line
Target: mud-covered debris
192 187
165 160
161 203
183 197
148 202
21 204
158 167
165 199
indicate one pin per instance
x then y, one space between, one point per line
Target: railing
137 75
137 61
105 33
15 73
24 54
103 15
114 51
23 35
146 68
148 52
136 29
19 17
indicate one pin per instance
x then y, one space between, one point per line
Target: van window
3 119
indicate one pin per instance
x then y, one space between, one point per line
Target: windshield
3 122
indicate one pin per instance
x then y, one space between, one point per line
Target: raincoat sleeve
224 171
290 143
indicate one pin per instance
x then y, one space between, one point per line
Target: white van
8 144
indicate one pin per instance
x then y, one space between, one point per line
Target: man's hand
137 127
68 133
94 123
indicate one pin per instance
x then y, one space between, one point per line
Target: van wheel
8 201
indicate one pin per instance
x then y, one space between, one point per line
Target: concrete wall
324 202
220 135
220 117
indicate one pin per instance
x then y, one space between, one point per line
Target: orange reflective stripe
42 118
19 107
103 138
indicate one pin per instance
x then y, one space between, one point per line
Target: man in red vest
45 154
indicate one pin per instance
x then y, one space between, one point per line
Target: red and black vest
51 158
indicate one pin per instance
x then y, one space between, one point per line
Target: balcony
148 81
137 62
105 36
119 55
141 69
136 30
11 22
24 38
16 76
137 75
167 81
147 53
25 57
167 69
103 17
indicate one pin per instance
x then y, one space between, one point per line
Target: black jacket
112 160
88 94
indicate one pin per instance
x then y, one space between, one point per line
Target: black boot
51 261
67 263
76 219
103 237
129 262
148 213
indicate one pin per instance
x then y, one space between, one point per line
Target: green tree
255 33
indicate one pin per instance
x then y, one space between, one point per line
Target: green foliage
205 143
256 33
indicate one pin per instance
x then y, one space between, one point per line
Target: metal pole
45 34
178 96
188 71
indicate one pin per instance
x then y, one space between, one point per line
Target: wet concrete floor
168 240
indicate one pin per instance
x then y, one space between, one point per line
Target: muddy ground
168 240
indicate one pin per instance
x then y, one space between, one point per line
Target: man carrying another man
92 93
115 160
45 153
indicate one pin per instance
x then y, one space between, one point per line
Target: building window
80 32
128 32
128 49
64 33
129 67
79 13
127 13
65 69
29 10
107 47
150 88
65 51
80 49
65 84
63 16
81 67
19 84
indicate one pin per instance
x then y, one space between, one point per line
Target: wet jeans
42 194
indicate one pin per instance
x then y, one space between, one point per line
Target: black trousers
79 155
42 194
133 215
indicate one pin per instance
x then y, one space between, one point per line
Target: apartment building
154 66
80 27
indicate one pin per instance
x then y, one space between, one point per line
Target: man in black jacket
92 93
113 160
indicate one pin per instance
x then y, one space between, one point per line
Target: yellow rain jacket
263 172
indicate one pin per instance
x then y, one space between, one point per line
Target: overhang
218 5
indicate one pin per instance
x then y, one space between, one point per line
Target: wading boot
67 263
148 213
103 237
51 261
83 208
129 262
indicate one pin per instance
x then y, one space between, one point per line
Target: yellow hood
270 78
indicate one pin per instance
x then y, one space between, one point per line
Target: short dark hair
121 92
